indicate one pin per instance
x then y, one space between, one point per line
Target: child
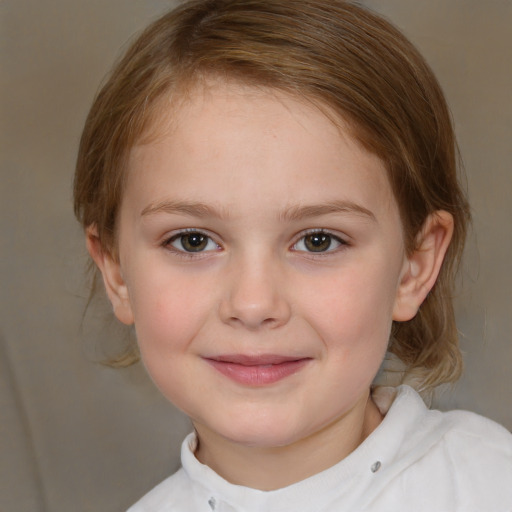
269 190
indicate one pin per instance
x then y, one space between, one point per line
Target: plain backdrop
76 436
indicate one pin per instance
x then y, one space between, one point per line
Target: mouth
257 371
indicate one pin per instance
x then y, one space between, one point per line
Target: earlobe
422 267
113 280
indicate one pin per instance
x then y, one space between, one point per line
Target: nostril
254 300
253 323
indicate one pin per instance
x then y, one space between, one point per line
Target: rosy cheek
352 306
167 320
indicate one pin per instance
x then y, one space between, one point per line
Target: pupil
318 242
194 242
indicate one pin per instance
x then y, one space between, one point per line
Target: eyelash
168 243
183 253
341 243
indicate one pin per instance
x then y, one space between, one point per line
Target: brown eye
194 241
318 242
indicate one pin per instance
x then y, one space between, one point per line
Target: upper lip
255 360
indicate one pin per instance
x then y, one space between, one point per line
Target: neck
270 468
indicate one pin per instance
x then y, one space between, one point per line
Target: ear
110 269
423 265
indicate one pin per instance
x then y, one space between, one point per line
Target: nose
255 296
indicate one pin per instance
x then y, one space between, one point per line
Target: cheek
168 315
355 326
168 312
353 309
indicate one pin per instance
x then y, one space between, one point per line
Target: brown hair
332 52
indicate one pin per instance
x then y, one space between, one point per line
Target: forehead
197 97
242 136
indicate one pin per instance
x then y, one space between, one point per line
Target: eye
318 242
192 241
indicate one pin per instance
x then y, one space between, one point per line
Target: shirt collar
368 467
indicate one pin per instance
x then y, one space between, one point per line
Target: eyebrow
299 212
291 213
193 209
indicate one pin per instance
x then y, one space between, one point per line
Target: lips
257 371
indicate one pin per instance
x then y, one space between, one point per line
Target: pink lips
257 370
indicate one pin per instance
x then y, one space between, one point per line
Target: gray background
76 436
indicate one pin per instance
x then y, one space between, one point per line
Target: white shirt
416 460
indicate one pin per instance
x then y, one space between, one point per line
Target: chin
263 440
254 434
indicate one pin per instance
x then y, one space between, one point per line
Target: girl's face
261 257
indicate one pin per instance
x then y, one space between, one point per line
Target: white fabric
430 461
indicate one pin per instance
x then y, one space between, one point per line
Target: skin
254 172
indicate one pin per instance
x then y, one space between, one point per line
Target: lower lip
258 375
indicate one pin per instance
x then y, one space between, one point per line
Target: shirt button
376 466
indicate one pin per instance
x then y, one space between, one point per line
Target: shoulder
455 460
472 463
458 434
476 442
473 427
463 434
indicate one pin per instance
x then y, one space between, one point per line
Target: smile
257 371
